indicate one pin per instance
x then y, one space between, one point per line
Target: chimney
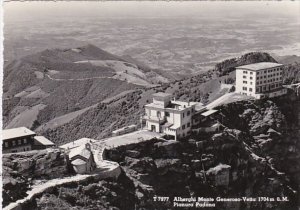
88 146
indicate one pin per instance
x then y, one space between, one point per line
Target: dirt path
81 79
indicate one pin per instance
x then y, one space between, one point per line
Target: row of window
273 70
270 75
265 81
245 88
167 114
245 77
188 114
187 125
14 142
245 82
246 72
271 86
270 80
265 71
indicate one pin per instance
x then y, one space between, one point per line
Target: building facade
260 80
82 159
22 139
171 117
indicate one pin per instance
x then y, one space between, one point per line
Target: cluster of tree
291 73
229 65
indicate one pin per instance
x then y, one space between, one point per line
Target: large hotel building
260 80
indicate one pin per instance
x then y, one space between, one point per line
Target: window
183 127
158 114
250 89
265 76
244 88
257 73
251 77
265 71
5 144
189 125
188 113
19 142
257 78
25 141
251 72
182 115
14 143
244 82
250 83
244 77
245 72
167 114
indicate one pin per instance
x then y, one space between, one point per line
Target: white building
174 118
260 80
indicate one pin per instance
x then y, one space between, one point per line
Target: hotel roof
81 151
259 66
77 143
160 94
44 141
209 112
174 105
16 132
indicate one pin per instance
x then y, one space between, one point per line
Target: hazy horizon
168 35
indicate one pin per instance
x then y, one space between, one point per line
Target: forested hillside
50 84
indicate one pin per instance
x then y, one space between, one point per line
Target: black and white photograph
150 105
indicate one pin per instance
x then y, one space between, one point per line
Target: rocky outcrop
20 169
248 158
49 163
219 175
